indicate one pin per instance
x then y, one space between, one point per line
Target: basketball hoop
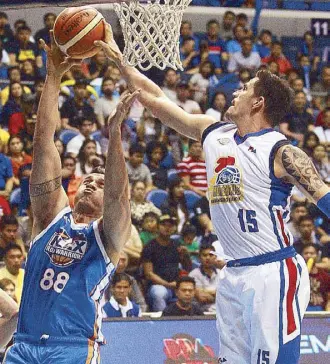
151 32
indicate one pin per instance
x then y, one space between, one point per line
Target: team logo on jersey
64 250
223 141
226 184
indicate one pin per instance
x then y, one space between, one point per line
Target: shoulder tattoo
297 163
44 188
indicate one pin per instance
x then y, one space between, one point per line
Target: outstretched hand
57 62
109 46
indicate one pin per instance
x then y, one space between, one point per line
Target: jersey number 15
248 221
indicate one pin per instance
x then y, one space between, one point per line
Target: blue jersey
66 273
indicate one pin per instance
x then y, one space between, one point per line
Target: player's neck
253 125
80 218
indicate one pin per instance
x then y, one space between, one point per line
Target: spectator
226 29
161 258
189 56
244 76
323 131
186 31
298 210
85 132
171 79
13 258
206 277
4 60
6 34
216 46
119 304
184 100
25 227
148 127
139 205
311 140
201 81
9 234
70 181
33 99
234 45
322 88
136 169
192 169
306 229
306 71
277 56
274 68
184 306
298 85
97 66
18 158
60 147
76 107
176 204
49 20
8 286
320 160
133 248
188 239
29 72
203 217
245 58
27 133
218 106
156 152
135 293
107 103
319 281
308 49
265 43
299 121
320 117
6 176
149 227
88 158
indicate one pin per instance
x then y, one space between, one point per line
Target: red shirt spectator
277 56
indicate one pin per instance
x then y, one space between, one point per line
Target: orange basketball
76 29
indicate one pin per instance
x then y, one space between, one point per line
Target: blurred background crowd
169 263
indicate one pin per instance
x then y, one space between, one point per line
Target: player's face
309 252
121 291
207 259
185 292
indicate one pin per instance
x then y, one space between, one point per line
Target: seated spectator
243 21
277 56
321 162
265 43
323 86
133 247
49 20
135 293
193 170
18 158
203 217
6 176
171 79
107 103
306 229
85 132
306 71
176 204
119 304
234 45
8 286
216 46
189 56
298 85
273 68
149 227
323 131
185 291
9 234
70 181
206 277
76 107
226 28
309 49
34 98
6 34
311 140
186 31
188 239
201 81
161 259
97 66
148 128
299 121
244 76
87 158
27 133
244 58
136 169
29 71
218 106
184 100
13 258
156 152
139 205
319 280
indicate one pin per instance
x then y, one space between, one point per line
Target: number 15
248 221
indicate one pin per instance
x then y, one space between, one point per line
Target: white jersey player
251 169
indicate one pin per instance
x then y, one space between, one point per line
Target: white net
151 32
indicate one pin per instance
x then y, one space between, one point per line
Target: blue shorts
41 352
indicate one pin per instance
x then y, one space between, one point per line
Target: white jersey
249 205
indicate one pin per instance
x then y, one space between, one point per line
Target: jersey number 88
57 284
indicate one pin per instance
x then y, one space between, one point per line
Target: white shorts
259 312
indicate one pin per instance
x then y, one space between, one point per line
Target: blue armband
324 204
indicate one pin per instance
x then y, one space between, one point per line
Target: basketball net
151 32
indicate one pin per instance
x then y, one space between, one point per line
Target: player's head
89 197
265 99
309 251
9 228
121 287
13 258
185 290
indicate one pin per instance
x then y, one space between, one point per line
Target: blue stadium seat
321 6
157 197
291 46
295 5
96 135
172 174
191 199
66 135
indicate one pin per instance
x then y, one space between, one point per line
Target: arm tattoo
44 188
301 168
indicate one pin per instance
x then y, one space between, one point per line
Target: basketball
76 29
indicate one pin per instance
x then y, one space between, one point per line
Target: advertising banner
192 341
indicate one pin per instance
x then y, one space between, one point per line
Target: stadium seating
66 135
157 197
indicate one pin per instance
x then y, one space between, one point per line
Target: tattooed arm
293 165
47 195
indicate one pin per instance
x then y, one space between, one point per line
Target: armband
324 204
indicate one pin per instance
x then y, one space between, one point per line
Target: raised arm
116 210
47 194
153 98
8 319
293 165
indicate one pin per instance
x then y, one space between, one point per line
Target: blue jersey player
72 253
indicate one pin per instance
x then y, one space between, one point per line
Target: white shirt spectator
105 106
214 113
202 84
4 58
238 61
190 106
76 142
323 134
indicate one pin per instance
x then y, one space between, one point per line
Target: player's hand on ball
57 62
109 46
120 113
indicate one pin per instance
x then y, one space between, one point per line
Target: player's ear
258 103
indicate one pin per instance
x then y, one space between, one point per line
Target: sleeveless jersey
67 271
249 205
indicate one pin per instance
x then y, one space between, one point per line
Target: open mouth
88 190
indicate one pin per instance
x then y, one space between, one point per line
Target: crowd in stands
169 263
